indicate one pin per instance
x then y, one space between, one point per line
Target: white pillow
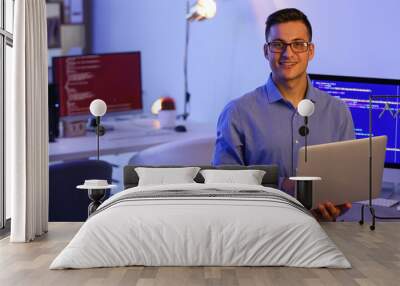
162 176
248 177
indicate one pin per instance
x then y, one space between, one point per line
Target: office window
6 62
9 12
9 63
2 202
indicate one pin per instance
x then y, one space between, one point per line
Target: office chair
66 203
187 152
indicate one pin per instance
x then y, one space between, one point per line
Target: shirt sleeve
347 126
229 143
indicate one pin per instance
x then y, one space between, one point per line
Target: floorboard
374 255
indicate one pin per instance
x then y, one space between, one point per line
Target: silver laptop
344 169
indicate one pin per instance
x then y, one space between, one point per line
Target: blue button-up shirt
262 127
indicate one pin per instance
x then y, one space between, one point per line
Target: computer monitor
114 78
53 112
355 92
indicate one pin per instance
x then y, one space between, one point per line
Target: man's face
288 64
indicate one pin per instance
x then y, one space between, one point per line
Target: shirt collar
273 93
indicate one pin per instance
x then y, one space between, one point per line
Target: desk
130 135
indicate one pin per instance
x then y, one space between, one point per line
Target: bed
201 224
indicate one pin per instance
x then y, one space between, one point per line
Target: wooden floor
375 257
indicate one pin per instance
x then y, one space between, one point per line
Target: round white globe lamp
98 107
306 108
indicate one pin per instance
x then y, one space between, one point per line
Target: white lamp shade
306 107
203 9
98 107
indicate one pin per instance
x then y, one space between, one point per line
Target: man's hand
327 211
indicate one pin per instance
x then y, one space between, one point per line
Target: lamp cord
185 63
98 135
305 139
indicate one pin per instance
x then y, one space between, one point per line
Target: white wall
352 37
225 56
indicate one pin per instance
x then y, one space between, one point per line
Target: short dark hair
284 16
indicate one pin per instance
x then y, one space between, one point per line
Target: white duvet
200 231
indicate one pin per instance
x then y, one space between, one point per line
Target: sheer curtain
27 124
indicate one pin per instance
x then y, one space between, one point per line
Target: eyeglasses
296 46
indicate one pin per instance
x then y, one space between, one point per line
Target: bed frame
270 178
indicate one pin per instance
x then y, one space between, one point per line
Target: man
262 126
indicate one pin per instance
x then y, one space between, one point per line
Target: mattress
201 225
